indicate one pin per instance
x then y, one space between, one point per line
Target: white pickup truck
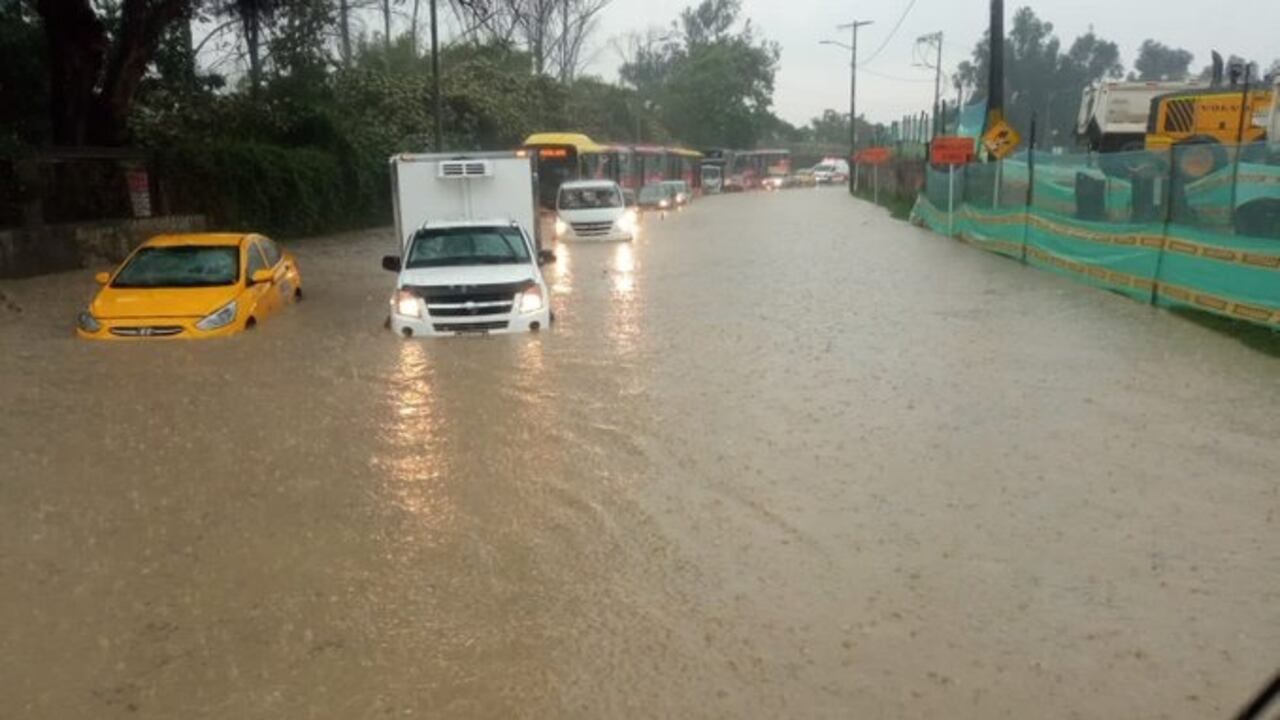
469 259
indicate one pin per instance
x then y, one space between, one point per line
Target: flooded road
782 457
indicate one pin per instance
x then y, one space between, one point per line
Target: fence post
1168 220
951 200
856 173
995 192
1031 184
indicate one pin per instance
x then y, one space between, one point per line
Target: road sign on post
951 150
1001 140
873 156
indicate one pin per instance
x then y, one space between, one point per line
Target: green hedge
287 192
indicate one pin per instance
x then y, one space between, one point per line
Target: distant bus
751 167
561 157
558 158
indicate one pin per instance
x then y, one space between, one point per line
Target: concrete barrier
54 248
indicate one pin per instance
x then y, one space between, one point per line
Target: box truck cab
468 261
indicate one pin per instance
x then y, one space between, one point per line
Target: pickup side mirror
546 257
260 277
391 263
102 278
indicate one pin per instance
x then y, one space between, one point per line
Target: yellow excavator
1199 124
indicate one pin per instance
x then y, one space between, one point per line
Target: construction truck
1113 115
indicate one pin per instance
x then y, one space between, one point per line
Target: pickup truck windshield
181 266
589 198
440 247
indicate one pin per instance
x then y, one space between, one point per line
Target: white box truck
470 261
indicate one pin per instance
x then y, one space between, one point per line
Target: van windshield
440 247
590 198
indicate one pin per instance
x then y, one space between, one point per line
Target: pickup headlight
627 223
88 322
406 304
531 300
219 318
562 227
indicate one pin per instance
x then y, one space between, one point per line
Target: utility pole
853 90
435 80
935 40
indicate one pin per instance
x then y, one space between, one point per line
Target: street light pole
853 91
435 81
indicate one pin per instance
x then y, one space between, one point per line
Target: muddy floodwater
783 457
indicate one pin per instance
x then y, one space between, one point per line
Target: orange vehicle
1198 124
192 286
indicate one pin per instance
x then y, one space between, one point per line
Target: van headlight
627 223
531 300
562 227
406 304
87 322
219 318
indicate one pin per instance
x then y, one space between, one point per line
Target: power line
894 77
892 32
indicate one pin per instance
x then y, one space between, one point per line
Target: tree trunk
253 44
344 27
413 29
77 52
386 24
93 84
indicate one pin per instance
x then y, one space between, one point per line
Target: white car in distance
594 210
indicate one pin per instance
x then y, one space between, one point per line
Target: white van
468 263
594 210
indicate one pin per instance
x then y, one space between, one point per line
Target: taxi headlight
219 318
88 322
531 300
561 227
407 304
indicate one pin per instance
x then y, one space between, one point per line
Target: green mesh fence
1196 226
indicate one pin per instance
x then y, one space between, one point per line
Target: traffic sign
873 156
1001 140
951 150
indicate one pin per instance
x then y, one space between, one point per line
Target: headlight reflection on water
414 467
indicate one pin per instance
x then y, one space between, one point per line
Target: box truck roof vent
465 169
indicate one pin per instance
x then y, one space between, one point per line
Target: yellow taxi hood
189 302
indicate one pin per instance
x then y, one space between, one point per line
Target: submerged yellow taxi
192 286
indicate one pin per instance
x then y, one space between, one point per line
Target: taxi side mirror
391 263
102 278
546 257
261 276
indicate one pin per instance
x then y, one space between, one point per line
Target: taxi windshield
440 247
181 266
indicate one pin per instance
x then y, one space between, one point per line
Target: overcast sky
812 77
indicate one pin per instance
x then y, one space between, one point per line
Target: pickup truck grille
472 327
593 229
469 300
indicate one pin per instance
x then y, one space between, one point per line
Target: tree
94 75
24 88
711 85
252 15
1157 61
1040 78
